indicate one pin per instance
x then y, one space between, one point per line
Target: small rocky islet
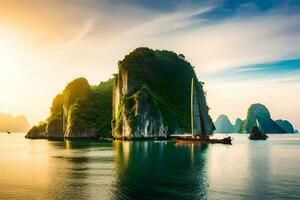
148 97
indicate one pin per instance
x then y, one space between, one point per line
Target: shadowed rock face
286 125
38 131
259 112
151 96
223 125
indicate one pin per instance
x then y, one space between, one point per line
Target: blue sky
283 71
245 51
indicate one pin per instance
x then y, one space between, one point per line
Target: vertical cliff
151 96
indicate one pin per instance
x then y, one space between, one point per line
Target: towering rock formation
151 96
238 125
259 113
81 111
223 125
285 125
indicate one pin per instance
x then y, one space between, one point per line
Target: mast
192 107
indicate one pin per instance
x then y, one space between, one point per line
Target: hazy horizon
245 51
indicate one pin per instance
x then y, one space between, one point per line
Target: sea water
42 169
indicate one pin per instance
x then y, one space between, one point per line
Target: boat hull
226 140
263 137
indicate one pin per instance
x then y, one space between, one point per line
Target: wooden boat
207 140
262 137
199 134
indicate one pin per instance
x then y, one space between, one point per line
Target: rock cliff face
285 125
151 96
259 113
80 111
223 125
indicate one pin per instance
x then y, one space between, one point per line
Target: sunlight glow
11 56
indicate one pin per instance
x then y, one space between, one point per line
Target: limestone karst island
148 98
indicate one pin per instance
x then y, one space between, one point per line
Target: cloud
82 34
211 45
285 71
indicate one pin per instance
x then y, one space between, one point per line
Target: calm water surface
41 169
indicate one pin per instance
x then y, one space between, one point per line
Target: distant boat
203 137
8 132
256 133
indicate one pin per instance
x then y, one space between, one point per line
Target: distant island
13 124
257 113
149 97
223 125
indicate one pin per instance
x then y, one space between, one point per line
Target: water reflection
259 170
159 170
84 171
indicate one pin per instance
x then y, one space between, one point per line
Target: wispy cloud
82 33
285 71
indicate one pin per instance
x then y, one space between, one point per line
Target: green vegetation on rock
81 111
154 88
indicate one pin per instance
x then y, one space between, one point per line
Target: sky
245 51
